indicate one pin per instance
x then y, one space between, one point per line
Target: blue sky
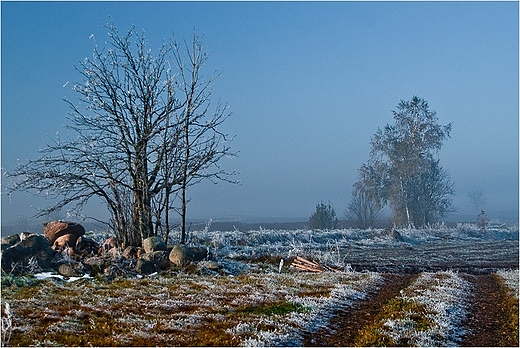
308 83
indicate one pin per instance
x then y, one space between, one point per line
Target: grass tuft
412 314
510 321
281 308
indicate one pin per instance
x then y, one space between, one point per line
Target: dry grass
510 305
427 313
171 310
397 309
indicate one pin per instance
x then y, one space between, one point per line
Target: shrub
324 218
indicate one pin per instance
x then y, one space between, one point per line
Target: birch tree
404 170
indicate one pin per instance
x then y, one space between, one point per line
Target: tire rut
345 324
487 322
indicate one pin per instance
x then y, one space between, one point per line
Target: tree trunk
142 212
405 201
186 164
142 206
185 183
183 215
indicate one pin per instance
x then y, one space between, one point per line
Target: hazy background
308 83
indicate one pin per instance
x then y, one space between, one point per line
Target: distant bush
324 218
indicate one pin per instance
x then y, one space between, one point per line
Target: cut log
310 266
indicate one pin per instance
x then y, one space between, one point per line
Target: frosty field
419 287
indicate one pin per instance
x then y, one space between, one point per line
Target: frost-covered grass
342 248
426 249
429 312
249 302
509 288
7 323
248 309
510 279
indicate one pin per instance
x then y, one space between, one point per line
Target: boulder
154 243
393 234
113 270
109 244
55 229
145 267
64 241
8 242
200 253
35 247
181 255
69 270
95 265
130 252
159 258
86 246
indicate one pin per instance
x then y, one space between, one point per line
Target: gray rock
130 252
153 244
69 270
181 255
159 258
200 253
35 247
10 241
87 246
145 267
113 271
95 264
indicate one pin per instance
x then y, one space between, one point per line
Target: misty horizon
308 84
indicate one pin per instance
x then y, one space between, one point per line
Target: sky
308 83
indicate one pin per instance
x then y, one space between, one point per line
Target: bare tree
477 199
129 147
363 210
203 145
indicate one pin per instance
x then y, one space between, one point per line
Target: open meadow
430 287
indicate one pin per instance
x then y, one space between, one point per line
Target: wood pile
302 264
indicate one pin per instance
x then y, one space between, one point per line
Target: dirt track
345 325
486 325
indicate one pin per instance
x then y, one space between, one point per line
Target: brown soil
489 320
345 325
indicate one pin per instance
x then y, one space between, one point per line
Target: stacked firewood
302 264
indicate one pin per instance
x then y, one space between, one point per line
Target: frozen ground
463 248
258 300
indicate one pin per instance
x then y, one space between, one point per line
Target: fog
308 84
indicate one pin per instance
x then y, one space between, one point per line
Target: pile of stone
64 248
